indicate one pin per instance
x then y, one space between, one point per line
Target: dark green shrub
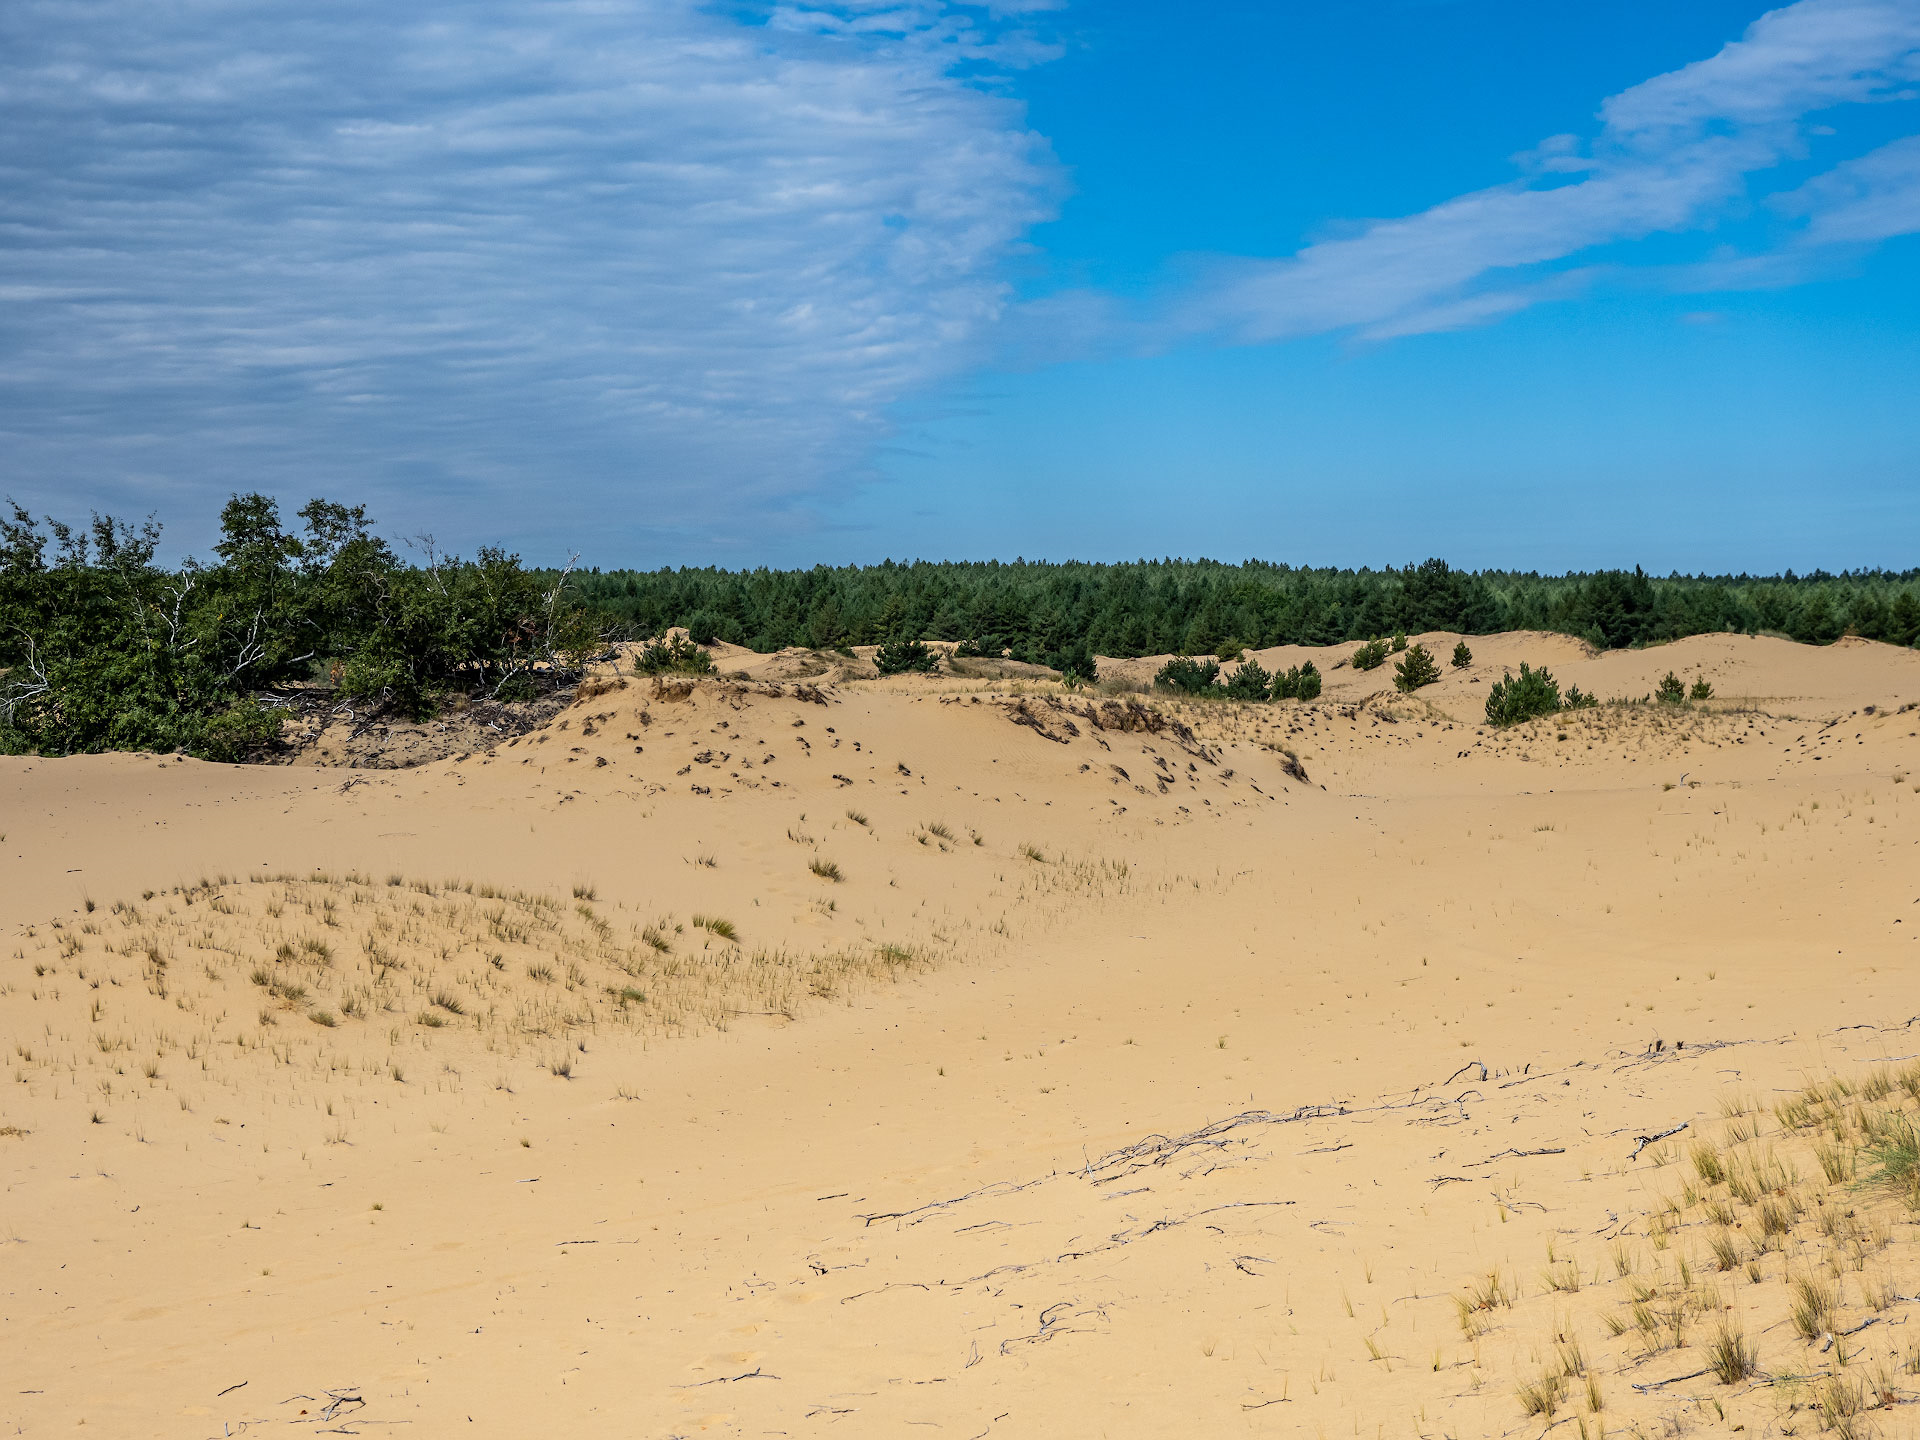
672 655
1187 675
1075 664
1370 656
239 732
898 657
1307 687
1671 690
1523 696
1230 651
1399 641
1578 699
1417 669
1250 682
1462 656
1701 691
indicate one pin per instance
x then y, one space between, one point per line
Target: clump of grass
449 1002
1812 1306
1033 853
1726 1252
562 1068
1836 1162
857 817
713 925
940 831
584 890
1543 1397
429 1019
1729 1357
323 1017
826 870
1840 1400
540 971
1706 1163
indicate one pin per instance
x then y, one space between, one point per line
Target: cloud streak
582 262
1674 155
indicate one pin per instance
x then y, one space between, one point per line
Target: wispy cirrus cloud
583 263
1675 155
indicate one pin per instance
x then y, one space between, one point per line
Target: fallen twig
1642 1141
754 1374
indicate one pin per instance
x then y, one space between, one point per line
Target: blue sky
1535 286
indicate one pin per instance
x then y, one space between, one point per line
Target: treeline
102 649
1048 612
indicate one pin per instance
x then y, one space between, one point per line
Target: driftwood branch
1642 1141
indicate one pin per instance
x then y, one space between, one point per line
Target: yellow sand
926 1148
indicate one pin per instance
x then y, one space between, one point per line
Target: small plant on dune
430 1020
857 818
672 655
584 890
1729 1357
1250 682
1187 676
540 971
1032 852
941 831
1701 691
1370 656
448 1002
1399 641
1416 669
1578 699
1812 1306
826 870
1462 656
1726 1253
901 657
713 925
1706 1163
1522 697
1671 690
1542 1397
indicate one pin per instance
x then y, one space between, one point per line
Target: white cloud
1673 155
632 262
1869 199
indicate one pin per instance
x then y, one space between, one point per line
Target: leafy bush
1229 651
1399 641
1523 696
1250 682
1370 656
672 655
898 657
1701 691
1300 682
1417 669
1186 675
1462 656
1578 699
1671 690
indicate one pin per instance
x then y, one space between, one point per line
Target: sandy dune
967 1057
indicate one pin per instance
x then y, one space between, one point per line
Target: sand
953 1055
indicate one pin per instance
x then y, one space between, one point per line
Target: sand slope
1139 1072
